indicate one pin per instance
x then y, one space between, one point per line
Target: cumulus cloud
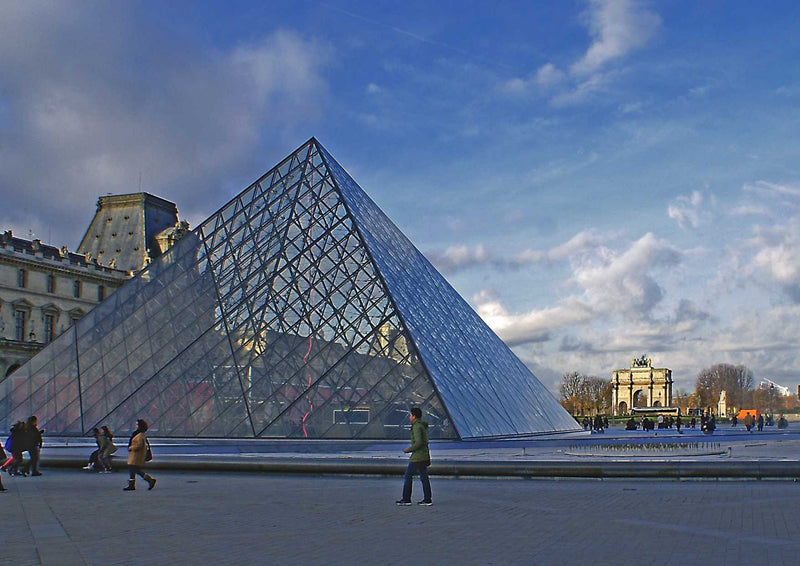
687 210
777 256
460 257
584 242
530 327
456 258
99 102
605 284
624 282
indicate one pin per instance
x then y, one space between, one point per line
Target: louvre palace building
296 310
44 289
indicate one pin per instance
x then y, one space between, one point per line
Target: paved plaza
69 517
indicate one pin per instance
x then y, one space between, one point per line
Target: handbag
148 455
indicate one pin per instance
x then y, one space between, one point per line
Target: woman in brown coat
137 450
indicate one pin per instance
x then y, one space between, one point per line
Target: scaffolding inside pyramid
298 310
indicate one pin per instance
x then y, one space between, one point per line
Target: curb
740 469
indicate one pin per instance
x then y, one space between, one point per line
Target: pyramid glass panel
298 310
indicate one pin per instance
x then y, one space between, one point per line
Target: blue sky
599 178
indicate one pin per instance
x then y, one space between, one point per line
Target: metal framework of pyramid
297 310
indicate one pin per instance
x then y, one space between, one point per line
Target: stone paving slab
71 517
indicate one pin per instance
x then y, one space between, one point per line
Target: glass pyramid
296 310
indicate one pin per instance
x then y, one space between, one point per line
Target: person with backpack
16 445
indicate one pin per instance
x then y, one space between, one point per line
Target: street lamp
771 401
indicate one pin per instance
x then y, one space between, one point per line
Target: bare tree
580 393
571 392
571 385
598 393
736 381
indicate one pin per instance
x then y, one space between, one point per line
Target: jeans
133 470
420 468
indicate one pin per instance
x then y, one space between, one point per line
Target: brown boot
131 486
151 481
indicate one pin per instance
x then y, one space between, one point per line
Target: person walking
419 461
16 445
34 443
3 458
137 456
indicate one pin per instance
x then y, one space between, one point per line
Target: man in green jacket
419 461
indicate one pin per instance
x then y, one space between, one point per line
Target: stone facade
641 385
43 290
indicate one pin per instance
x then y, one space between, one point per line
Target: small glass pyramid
297 310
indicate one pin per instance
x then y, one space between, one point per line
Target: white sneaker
88 467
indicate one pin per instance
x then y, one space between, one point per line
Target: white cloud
372 88
749 210
778 256
95 111
530 327
529 256
456 258
687 210
544 79
765 187
581 91
624 282
583 243
617 27
609 285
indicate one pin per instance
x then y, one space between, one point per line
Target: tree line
582 394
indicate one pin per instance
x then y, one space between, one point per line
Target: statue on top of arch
643 362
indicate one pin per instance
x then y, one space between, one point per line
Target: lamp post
771 401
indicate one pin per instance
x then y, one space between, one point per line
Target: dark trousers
34 452
420 468
133 470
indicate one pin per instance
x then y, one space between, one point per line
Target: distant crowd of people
661 422
597 424
752 421
707 422
27 437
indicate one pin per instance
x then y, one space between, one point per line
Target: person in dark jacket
419 461
18 441
34 443
3 458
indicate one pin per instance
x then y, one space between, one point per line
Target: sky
599 179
